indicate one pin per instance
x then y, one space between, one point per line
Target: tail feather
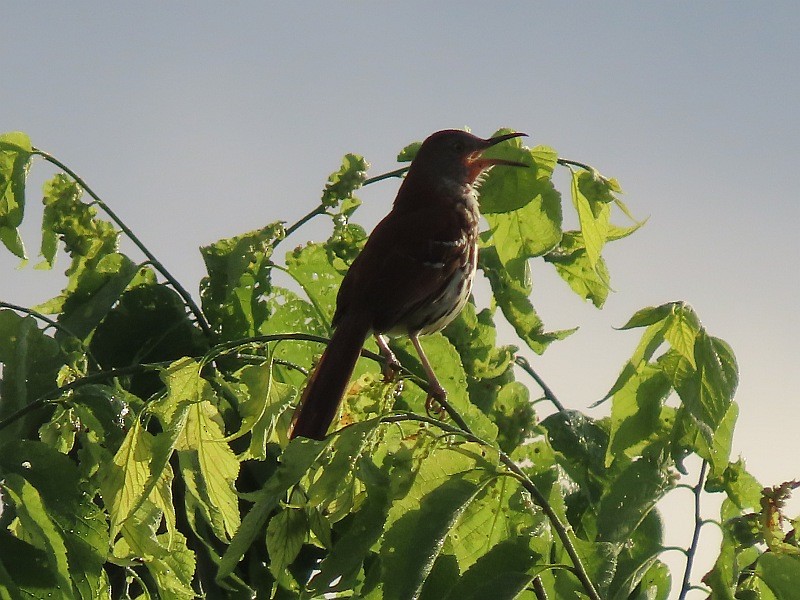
325 388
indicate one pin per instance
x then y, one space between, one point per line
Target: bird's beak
478 163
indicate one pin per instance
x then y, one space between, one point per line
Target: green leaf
123 480
24 567
413 542
31 361
593 215
263 400
239 273
742 488
337 471
342 183
581 446
637 413
572 263
530 230
630 498
502 573
511 291
68 503
781 572
312 266
298 457
166 555
507 189
286 533
655 584
15 156
39 527
649 316
638 564
208 464
408 153
349 551
450 374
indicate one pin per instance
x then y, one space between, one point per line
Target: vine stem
565 162
184 294
697 491
320 210
523 363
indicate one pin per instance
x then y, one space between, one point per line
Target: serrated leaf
531 230
681 329
286 533
511 292
263 400
492 519
239 276
312 267
166 556
339 468
209 466
123 480
450 374
593 215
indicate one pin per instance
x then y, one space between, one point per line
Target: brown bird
414 274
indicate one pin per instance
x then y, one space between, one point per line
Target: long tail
325 388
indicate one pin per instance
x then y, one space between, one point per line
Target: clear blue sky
196 121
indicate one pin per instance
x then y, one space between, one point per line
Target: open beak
478 163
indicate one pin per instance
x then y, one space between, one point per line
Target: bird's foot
435 402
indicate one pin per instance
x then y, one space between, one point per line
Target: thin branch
185 295
565 162
538 589
396 173
320 210
523 363
698 524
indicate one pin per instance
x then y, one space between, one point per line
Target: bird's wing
407 261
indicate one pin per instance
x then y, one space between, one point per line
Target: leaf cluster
143 446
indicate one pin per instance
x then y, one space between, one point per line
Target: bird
412 277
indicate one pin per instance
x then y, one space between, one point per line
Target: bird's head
457 156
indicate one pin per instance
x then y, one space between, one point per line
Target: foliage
143 448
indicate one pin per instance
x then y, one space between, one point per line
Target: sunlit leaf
15 155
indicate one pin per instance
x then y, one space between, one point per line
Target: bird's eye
458 146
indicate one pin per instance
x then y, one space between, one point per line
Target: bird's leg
436 393
391 366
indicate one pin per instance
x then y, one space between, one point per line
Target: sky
197 121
